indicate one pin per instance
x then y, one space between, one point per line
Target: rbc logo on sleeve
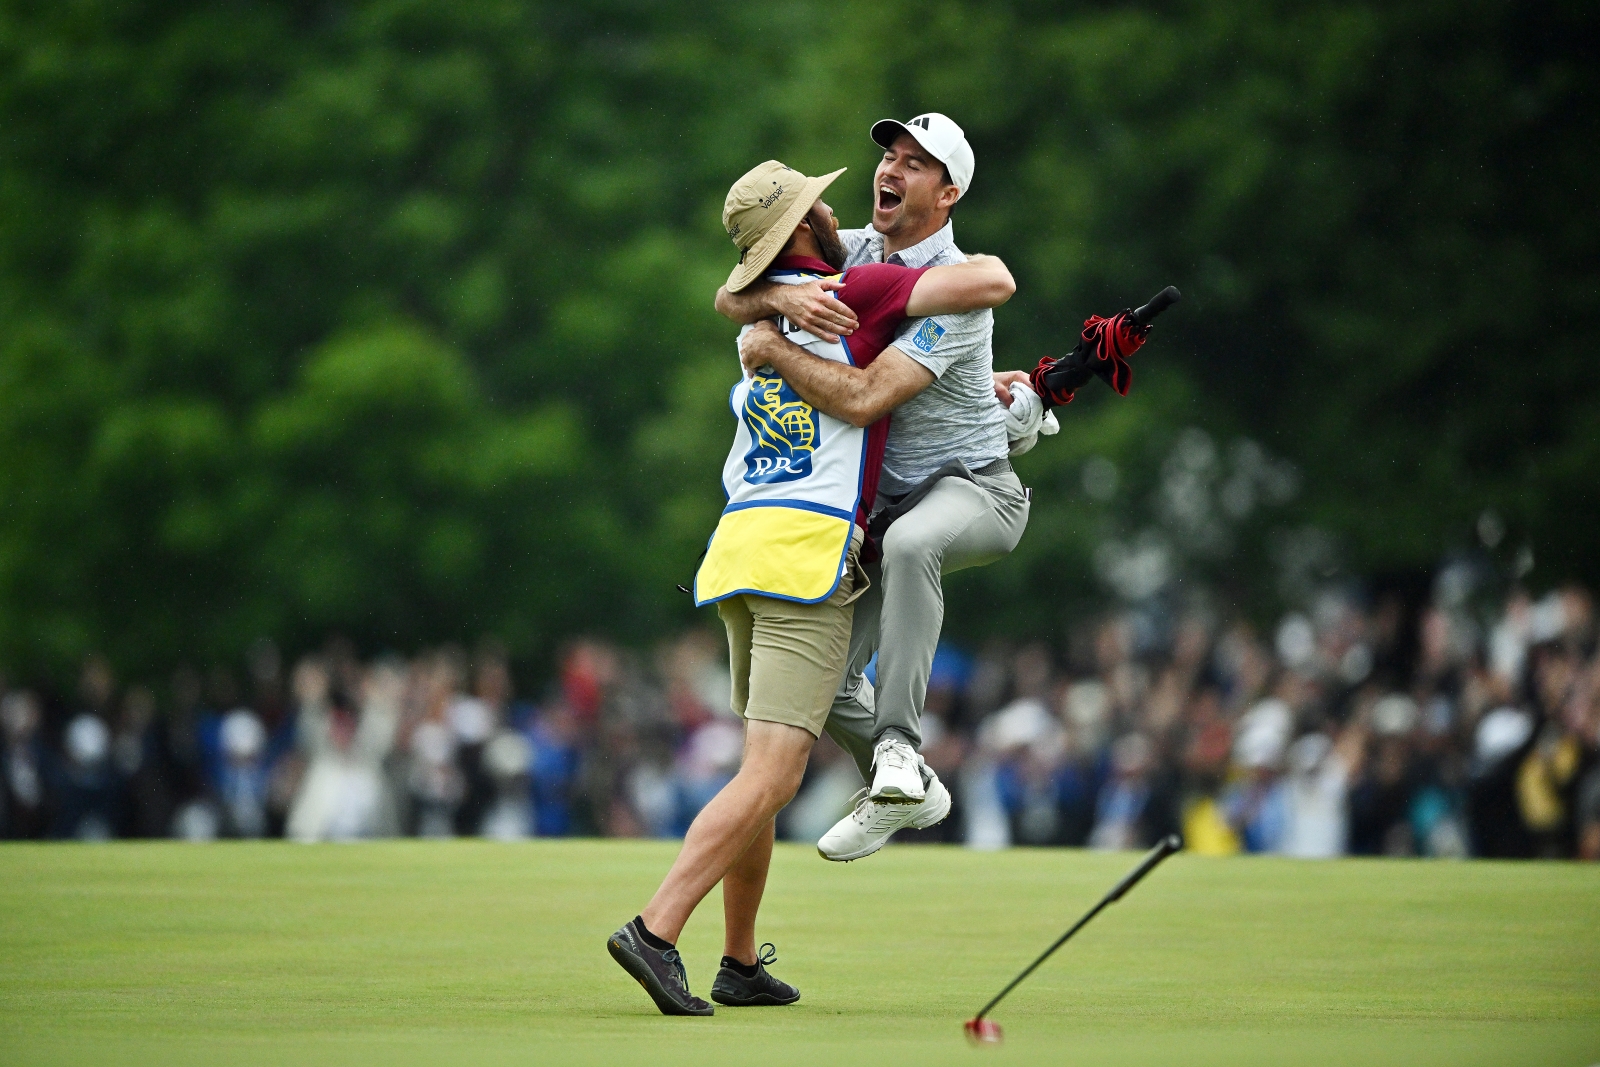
783 432
927 338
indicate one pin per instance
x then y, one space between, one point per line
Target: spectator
140 754
343 794
1380 797
506 761
1320 772
555 763
1120 809
23 812
1257 804
242 781
86 786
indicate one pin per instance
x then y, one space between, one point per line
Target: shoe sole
944 813
760 1000
863 854
640 972
896 796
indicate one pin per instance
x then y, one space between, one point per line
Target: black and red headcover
1103 350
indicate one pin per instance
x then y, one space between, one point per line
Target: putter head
983 1031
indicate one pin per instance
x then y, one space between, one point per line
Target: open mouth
888 199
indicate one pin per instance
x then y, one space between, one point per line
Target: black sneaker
659 971
737 991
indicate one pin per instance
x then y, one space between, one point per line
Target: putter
981 1029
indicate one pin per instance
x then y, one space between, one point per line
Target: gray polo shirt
957 417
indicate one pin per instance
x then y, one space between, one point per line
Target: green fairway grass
415 952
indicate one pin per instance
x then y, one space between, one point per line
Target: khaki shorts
787 658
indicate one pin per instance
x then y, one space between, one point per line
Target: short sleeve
933 342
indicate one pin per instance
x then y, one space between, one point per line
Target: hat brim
884 132
759 256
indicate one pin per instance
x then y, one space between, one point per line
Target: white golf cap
940 136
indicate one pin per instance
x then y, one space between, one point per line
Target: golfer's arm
858 395
980 282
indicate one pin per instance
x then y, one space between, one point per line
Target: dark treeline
395 318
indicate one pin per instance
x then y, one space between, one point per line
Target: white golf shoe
868 828
896 773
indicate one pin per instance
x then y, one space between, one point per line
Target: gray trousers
958 525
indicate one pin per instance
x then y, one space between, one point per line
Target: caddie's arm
858 395
808 306
863 395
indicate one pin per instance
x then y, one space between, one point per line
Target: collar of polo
919 254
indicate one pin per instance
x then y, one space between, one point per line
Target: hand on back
754 350
814 309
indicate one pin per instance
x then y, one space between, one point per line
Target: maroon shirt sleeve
877 293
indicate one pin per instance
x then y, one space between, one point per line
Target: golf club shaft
1167 846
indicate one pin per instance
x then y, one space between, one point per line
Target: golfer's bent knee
910 550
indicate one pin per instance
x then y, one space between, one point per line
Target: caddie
783 566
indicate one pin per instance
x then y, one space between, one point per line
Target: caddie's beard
828 243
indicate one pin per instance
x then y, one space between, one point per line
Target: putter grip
1158 303
1166 847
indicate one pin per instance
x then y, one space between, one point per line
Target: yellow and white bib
793 480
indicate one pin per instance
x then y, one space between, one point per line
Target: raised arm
858 395
980 282
808 306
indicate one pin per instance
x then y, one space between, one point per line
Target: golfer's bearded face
906 188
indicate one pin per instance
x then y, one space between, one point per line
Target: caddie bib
793 480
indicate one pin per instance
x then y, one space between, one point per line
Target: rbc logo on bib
783 432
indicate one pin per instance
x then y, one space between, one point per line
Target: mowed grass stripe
479 952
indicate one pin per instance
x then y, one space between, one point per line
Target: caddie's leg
774 762
958 525
742 888
744 884
795 657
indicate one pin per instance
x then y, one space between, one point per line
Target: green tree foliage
394 317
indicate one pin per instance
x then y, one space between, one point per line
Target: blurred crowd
1365 726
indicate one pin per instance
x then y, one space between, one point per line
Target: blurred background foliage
395 317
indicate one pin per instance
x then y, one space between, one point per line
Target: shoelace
895 754
671 956
868 811
860 806
768 954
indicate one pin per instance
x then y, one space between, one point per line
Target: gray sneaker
659 971
736 991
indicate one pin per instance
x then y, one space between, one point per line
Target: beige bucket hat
761 212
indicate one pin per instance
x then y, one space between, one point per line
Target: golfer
783 566
947 482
